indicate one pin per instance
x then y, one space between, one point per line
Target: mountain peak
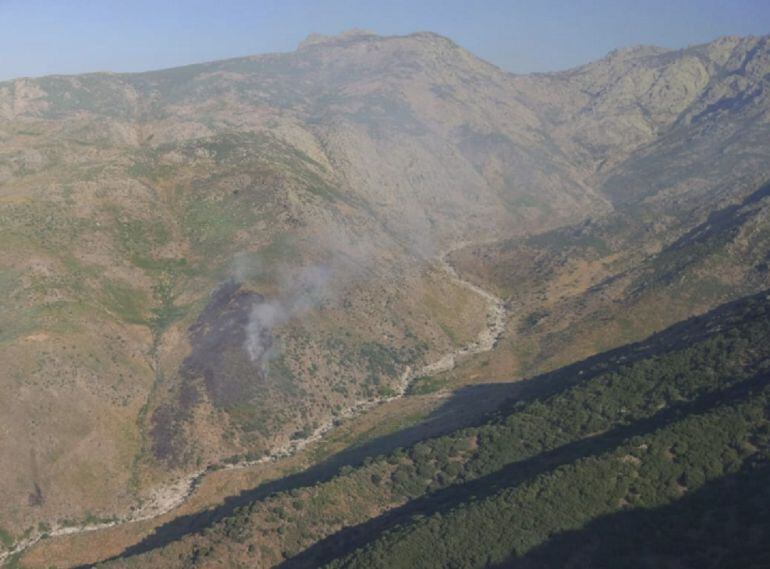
360 35
636 51
321 39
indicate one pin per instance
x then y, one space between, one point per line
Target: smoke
259 337
300 290
245 266
342 257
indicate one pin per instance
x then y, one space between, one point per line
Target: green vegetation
211 225
14 319
144 168
512 521
127 302
426 384
126 198
282 372
139 236
725 523
589 243
269 257
13 562
383 363
631 431
6 539
638 436
167 312
533 318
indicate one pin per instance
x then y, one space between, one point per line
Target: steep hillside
689 224
217 263
643 433
322 184
597 285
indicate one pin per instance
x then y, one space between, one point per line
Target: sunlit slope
127 200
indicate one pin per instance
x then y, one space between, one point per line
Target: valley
377 302
167 501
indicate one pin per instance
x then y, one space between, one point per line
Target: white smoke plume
300 291
297 290
259 338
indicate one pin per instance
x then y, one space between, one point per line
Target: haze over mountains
214 263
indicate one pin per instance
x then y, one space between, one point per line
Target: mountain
128 199
218 263
687 229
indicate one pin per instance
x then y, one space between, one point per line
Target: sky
41 37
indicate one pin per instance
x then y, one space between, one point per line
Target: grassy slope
126 243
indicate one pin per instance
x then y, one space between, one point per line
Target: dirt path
171 496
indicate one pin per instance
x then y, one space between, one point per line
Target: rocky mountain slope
319 182
201 264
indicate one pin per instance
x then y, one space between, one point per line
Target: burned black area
218 354
166 433
36 497
218 362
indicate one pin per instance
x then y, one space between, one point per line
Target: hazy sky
40 37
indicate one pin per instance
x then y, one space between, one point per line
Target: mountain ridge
353 164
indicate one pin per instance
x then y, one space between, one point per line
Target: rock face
126 199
